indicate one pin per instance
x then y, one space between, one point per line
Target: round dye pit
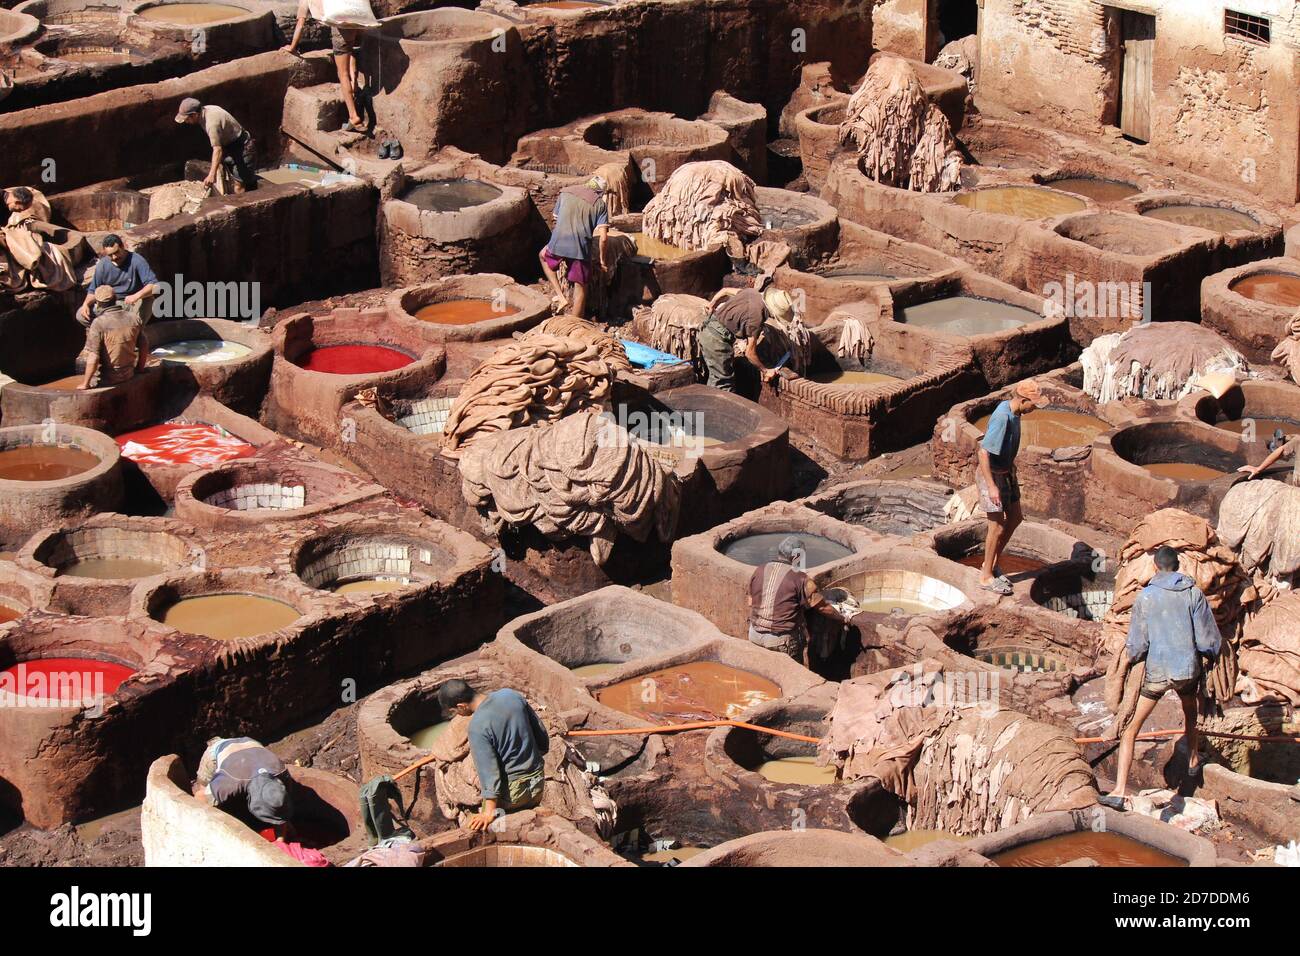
464 312
450 195
179 443
44 463
366 561
1264 427
1010 563
354 359
1022 202
192 14
372 586
68 680
756 549
113 569
797 770
9 613
906 841
1176 451
967 315
228 617
1105 848
1099 190
1183 470
1210 218
424 737
898 592
700 690
1271 288
1024 659
653 248
1054 427
851 377
200 351
587 671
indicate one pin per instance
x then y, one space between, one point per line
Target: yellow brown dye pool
840 376
1264 427
370 586
463 312
200 351
1022 202
967 315
1100 190
700 690
910 840
1106 849
1210 218
889 605
653 248
44 463
1184 471
8 614
1271 288
1054 428
425 736
592 670
800 770
677 854
228 617
191 14
113 568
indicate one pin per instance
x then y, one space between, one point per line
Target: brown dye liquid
653 248
1270 288
1054 428
679 854
67 383
449 195
425 737
841 376
592 670
291 174
1264 427
116 569
190 14
44 463
756 549
1101 190
463 312
967 315
8 614
227 617
800 770
370 586
1009 563
888 605
1211 218
1022 202
1184 471
1106 849
701 690
910 840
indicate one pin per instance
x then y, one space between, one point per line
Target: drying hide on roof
1269 653
609 348
703 205
1288 350
28 253
960 763
904 140
533 379
1216 571
582 476
1260 520
1155 360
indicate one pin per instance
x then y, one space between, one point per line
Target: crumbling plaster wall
1222 106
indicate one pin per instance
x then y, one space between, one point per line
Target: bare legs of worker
579 300
346 64
1129 741
1002 525
558 298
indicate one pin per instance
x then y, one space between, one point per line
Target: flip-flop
1115 803
997 587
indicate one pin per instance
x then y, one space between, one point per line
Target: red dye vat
183 444
354 359
65 679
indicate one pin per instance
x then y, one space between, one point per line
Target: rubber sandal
1116 803
347 127
997 587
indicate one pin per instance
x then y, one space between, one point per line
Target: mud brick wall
1222 106
129 131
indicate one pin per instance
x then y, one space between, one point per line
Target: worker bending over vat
779 595
507 743
232 145
580 216
116 348
737 319
243 778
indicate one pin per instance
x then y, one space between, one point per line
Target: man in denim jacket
1171 626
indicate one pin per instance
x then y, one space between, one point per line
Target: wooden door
1138 31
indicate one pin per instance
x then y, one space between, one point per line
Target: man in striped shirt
779 594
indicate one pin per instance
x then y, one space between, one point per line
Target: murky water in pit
1107 849
44 463
227 617
756 549
701 690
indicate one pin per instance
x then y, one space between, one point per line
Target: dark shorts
241 154
576 272
344 41
1156 690
1008 490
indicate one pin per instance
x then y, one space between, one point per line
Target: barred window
1247 26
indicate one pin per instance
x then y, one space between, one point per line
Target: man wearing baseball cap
995 477
115 342
231 143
